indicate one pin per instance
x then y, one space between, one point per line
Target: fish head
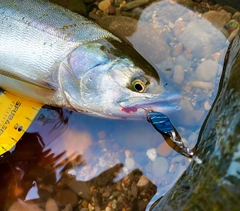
109 79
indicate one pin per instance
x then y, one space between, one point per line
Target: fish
59 58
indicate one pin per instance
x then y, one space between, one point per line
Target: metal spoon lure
163 125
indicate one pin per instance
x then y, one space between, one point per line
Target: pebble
164 149
178 27
134 4
217 18
127 153
108 209
202 84
236 16
21 205
97 208
177 159
183 61
216 56
202 38
81 188
90 207
160 166
178 74
64 197
207 70
230 9
84 203
233 35
152 154
129 163
104 5
207 106
114 204
143 181
177 49
232 25
51 205
68 208
179 24
134 189
106 194
186 104
117 3
187 53
166 67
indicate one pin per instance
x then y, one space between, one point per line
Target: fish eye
139 84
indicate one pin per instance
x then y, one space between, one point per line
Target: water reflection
188 50
69 156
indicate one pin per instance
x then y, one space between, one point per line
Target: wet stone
51 205
183 61
164 149
117 3
236 16
160 166
104 5
233 35
129 162
68 208
202 38
166 67
144 181
186 104
232 25
207 106
138 34
202 85
217 18
207 70
21 205
134 4
64 197
81 188
178 75
177 49
152 154
230 9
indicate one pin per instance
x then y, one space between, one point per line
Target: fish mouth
166 106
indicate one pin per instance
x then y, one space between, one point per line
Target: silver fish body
54 56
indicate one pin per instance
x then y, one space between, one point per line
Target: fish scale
48 54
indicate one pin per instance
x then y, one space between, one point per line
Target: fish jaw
139 111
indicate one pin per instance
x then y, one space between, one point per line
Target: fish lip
153 101
165 105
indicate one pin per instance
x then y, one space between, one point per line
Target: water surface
97 163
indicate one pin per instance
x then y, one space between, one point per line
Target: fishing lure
164 126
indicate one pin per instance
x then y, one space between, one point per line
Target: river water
77 161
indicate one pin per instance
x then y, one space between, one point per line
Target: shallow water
91 162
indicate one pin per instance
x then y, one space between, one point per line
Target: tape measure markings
15 117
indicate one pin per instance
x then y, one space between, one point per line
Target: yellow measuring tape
16 115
